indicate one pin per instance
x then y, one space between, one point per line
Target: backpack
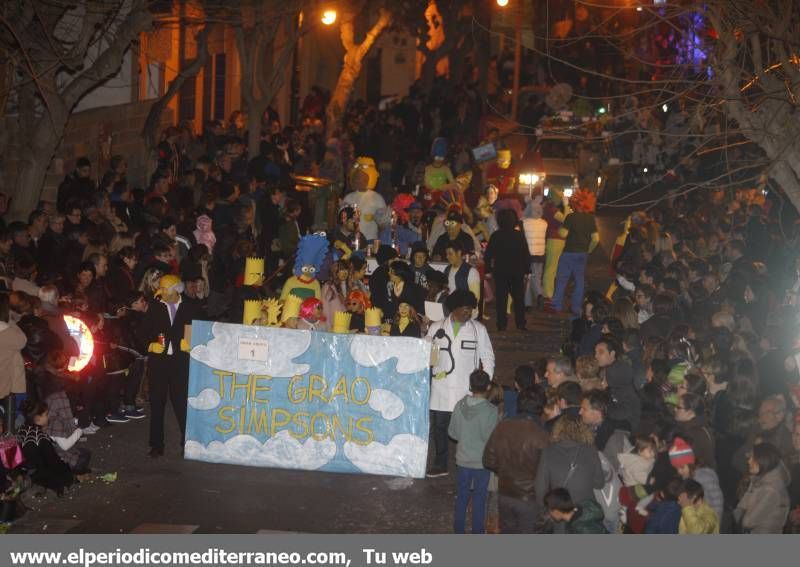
608 496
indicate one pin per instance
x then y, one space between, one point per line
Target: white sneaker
91 430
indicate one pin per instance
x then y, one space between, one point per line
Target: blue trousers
571 264
477 482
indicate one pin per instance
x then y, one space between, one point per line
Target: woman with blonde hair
571 461
150 280
588 371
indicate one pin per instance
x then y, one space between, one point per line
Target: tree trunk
341 95
34 162
255 113
354 55
190 69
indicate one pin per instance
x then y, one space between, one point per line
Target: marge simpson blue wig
311 251
439 148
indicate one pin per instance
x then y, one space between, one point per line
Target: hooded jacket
554 470
588 519
513 452
764 507
471 425
698 519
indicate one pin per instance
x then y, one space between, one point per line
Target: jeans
571 264
518 516
477 482
440 422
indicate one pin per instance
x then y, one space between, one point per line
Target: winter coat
699 519
535 233
45 466
507 254
513 452
712 493
588 519
471 425
559 459
700 437
664 518
12 341
611 437
626 403
764 507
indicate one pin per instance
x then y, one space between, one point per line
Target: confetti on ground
109 477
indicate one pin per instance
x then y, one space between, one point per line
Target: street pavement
171 495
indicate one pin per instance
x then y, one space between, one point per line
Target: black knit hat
460 298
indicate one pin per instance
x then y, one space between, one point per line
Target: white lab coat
470 348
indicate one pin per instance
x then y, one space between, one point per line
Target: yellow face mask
504 158
364 166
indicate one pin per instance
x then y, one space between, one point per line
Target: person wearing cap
683 460
464 346
168 359
438 177
453 233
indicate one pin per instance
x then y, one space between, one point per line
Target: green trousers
553 249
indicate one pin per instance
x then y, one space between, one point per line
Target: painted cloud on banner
207 399
222 352
412 355
386 403
278 451
404 455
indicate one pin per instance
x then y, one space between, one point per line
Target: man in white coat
463 345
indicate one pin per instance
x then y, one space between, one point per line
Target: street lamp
329 17
529 181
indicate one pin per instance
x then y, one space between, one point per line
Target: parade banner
285 398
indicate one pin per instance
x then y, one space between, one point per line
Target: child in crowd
697 517
474 418
664 512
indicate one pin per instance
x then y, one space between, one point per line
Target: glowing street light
502 3
329 17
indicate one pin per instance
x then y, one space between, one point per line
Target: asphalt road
170 495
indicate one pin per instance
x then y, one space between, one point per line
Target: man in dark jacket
583 518
77 188
168 358
506 258
513 452
626 405
610 436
